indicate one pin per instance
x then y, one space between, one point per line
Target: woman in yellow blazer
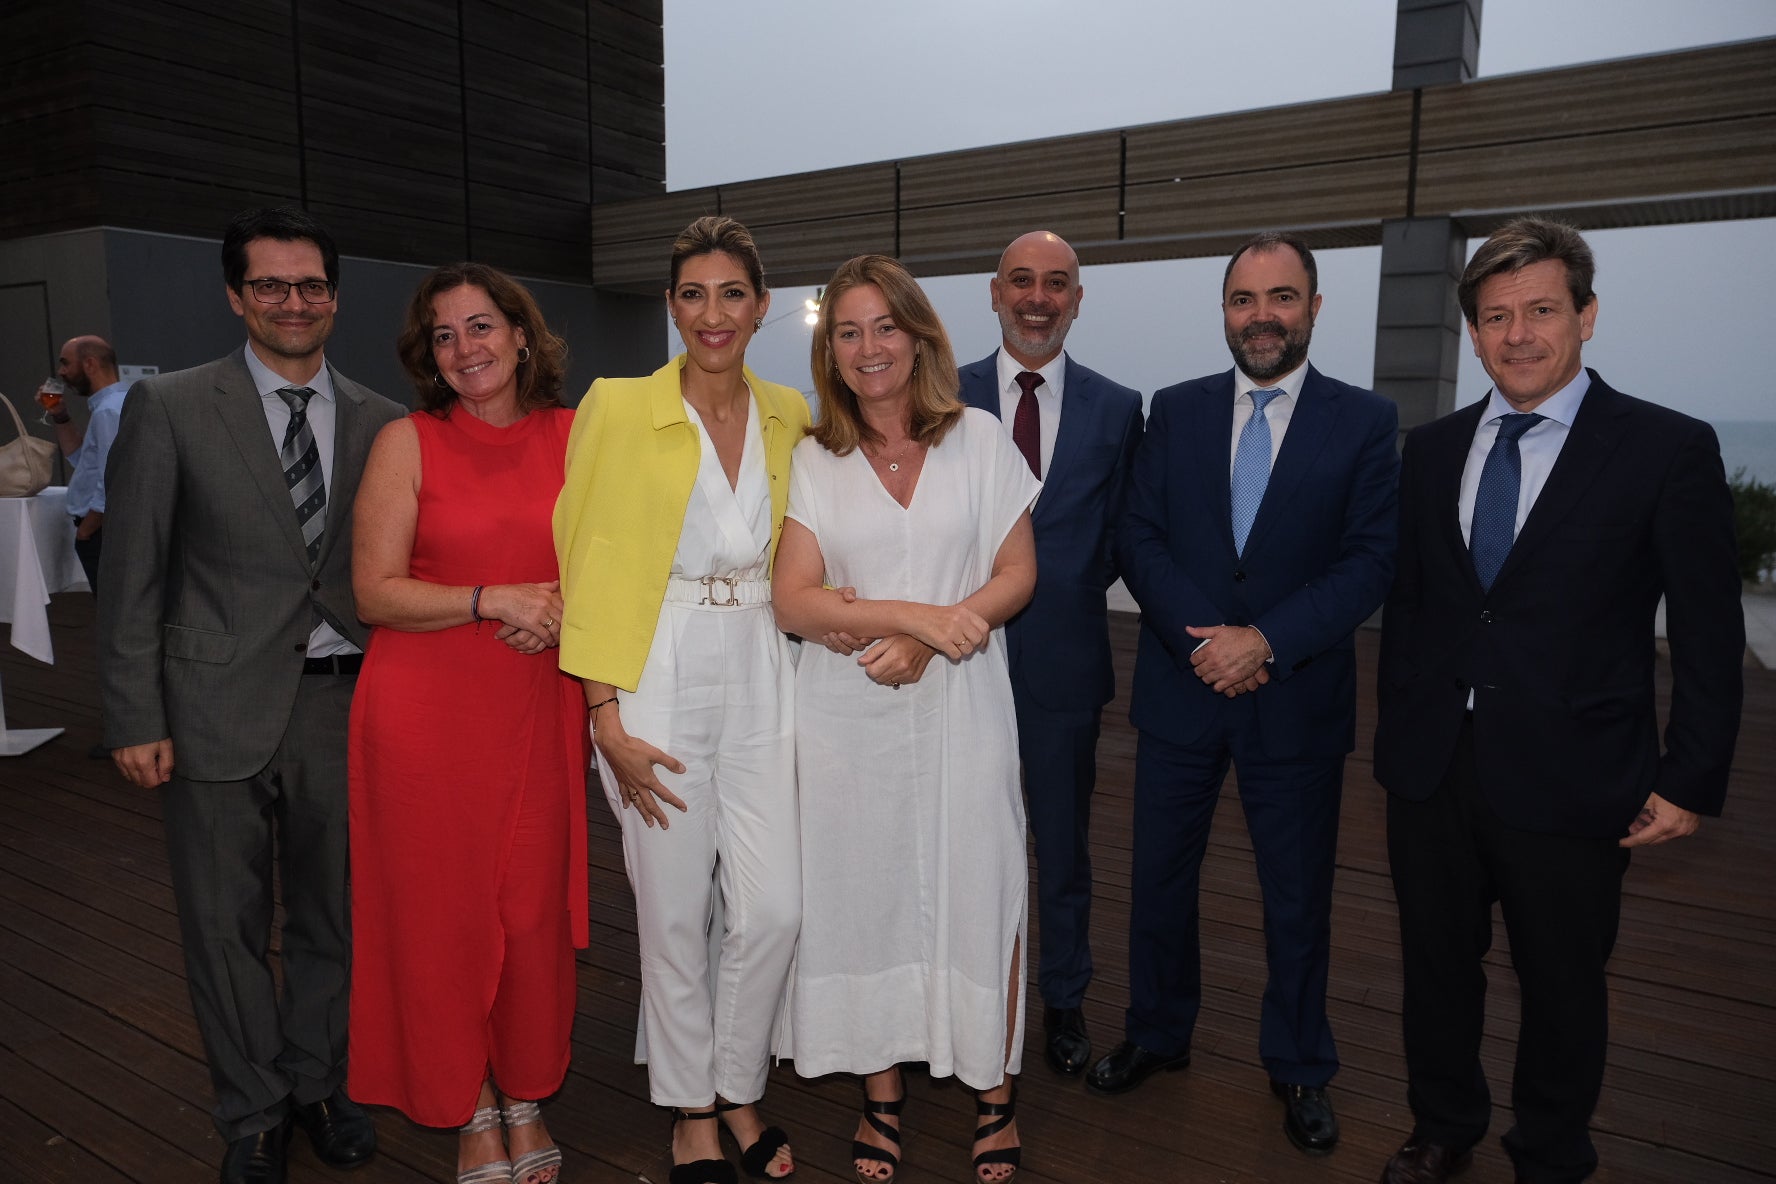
666 527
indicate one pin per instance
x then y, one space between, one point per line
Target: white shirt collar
1052 374
1290 383
1561 406
268 382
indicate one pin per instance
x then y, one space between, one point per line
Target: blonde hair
934 406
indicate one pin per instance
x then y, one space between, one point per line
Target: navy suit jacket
1318 561
1060 643
1560 653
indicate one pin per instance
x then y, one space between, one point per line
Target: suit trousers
717 693
266 1051
1059 751
1561 898
1291 809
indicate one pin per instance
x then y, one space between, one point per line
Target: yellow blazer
632 461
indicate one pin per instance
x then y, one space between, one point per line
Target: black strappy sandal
999 1115
700 1171
755 1160
889 1156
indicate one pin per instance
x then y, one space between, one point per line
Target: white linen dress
914 873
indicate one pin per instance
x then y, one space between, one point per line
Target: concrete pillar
1419 334
1435 42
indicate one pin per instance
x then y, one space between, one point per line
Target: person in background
1078 432
910 532
667 529
468 744
87 366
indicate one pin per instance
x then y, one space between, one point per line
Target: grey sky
792 85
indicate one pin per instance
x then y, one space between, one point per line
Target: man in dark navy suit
1518 735
1259 534
1078 430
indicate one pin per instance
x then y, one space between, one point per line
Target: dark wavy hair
935 408
539 377
287 224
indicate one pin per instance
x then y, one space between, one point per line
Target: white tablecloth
36 558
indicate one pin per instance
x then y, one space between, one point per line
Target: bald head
1036 293
87 363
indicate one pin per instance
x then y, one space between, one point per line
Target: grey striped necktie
302 469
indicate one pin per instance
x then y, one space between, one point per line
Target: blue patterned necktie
1251 469
1495 503
302 469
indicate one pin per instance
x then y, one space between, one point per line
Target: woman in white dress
913 858
675 493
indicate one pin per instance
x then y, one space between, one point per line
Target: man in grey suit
229 645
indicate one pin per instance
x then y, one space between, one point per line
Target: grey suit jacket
209 597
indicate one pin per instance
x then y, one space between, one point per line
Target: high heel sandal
756 1159
543 1163
889 1156
699 1171
487 1118
999 1115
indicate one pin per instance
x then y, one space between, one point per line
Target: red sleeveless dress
468 810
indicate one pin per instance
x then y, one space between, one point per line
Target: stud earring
758 323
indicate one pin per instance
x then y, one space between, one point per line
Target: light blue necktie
1251 469
1495 503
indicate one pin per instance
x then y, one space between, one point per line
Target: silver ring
894 685
549 623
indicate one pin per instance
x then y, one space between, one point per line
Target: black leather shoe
1128 1065
341 1132
1308 1119
257 1159
1424 1163
1069 1044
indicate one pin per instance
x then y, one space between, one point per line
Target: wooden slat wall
417 130
1677 137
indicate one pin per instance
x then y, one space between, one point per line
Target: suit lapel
980 384
1310 423
1443 464
1593 437
352 437
1211 450
243 416
1076 407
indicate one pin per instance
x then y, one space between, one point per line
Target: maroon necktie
1026 428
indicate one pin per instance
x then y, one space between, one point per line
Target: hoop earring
439 379
523 354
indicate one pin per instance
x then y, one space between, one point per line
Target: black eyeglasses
269 291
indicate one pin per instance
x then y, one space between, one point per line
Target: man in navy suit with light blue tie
1259 534
1078 430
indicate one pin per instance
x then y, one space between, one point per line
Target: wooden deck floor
102 1078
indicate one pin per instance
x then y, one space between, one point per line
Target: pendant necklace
894 465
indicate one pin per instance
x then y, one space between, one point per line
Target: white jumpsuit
717 693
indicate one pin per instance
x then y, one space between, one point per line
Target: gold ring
549 623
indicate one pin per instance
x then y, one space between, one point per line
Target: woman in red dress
468 746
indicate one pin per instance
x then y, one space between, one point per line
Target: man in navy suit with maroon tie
1078 430
1518 736
1259 534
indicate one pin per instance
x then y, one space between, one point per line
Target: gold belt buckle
709 583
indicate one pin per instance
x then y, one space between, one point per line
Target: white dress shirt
325 641
1277 412
1048 400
